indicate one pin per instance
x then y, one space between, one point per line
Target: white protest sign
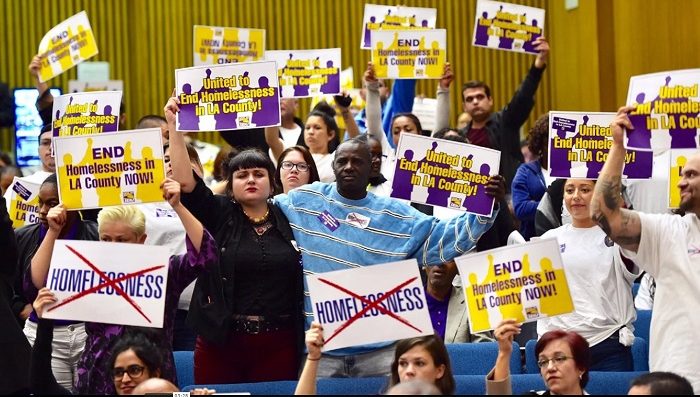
444 173
112 283
667 113
522 281
371 304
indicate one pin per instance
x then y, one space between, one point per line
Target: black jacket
503 127
27 244
210 311
14 366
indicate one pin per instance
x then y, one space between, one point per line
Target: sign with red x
113 283
370 304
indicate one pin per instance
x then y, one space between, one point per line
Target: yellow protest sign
678 159
214 45
524 281
409 54
23 202
66 45
110 169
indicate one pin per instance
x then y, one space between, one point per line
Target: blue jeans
375 363
611 355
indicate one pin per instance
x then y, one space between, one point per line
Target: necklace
258 221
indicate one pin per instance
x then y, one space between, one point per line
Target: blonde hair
128 214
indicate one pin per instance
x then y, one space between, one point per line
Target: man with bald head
665 246
342 226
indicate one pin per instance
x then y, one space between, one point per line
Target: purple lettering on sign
165 213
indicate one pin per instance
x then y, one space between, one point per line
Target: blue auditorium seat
479 358
184 367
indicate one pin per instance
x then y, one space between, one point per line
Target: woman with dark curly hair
529 183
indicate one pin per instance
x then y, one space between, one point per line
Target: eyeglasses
301 167
544 362
378 156
134 371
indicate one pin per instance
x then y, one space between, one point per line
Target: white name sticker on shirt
358 220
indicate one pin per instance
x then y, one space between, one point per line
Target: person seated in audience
447 305
661 383
296 167
319 133
600 280
135 361
563 358
421 358
530 181
126 224
132 360
414 388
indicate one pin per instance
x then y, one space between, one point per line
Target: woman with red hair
563 357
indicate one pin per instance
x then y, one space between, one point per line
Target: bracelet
312 359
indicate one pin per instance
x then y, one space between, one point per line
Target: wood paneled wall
145 40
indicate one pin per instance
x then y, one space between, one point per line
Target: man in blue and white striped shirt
341 226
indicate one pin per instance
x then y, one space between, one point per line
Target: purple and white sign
307 73
579 143
506 26
86 113
444 173
668 110
228 97
379 17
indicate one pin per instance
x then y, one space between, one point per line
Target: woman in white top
319 130
600 280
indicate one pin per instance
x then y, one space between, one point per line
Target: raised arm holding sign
135 283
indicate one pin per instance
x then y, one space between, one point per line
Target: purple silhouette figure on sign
482 31
300 90
528 46
269 113
640 136
560 165
480 203
368 34
110 127
681 138
595 164
402 187
189 121
424 24
332 84
642 166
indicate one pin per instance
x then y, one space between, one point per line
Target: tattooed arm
622 225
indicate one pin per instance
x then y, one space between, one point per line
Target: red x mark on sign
370 305
108 283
